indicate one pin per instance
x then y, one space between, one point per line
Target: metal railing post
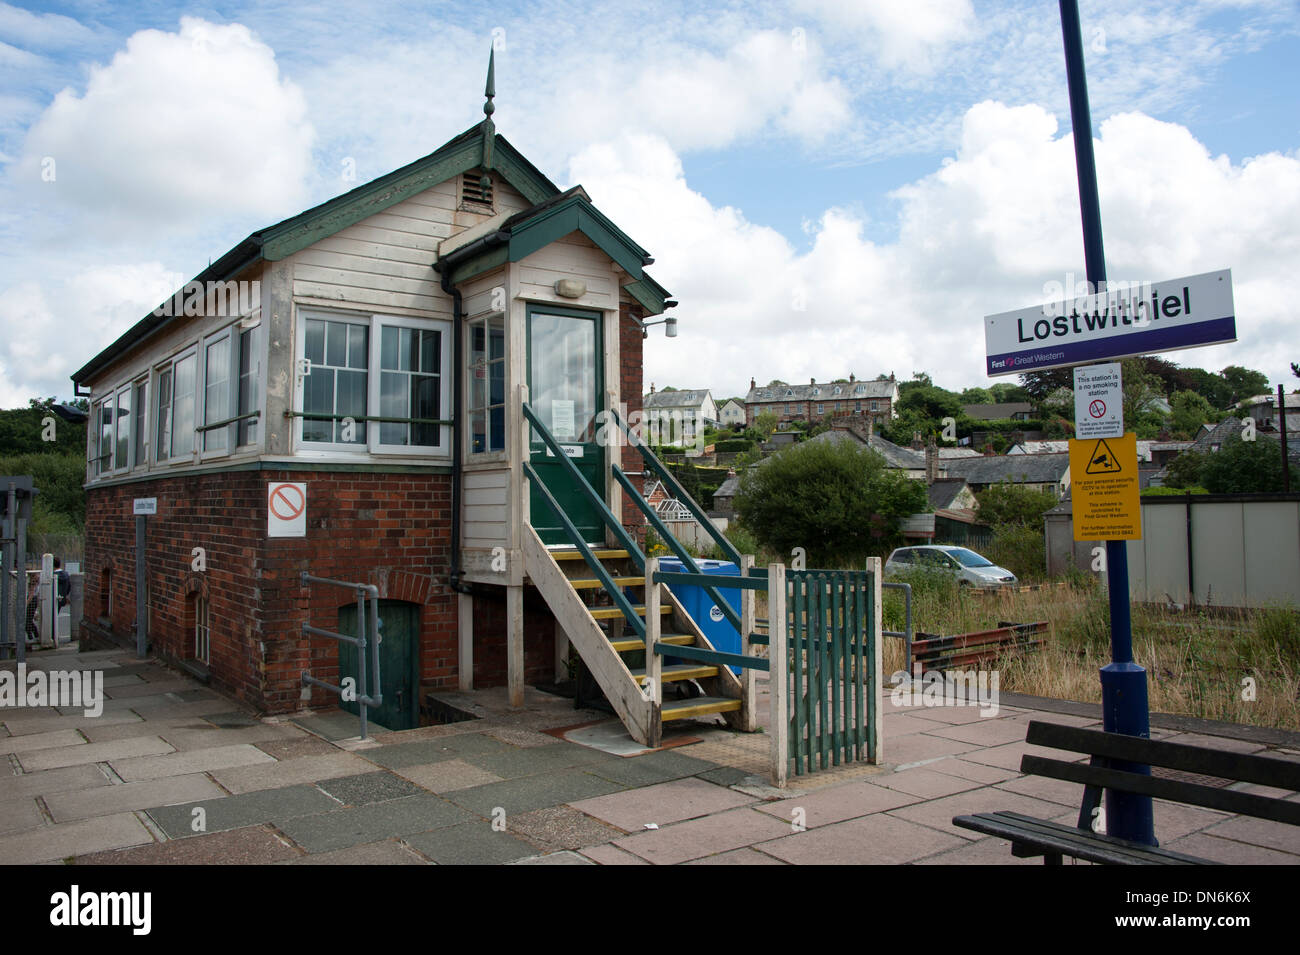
778 660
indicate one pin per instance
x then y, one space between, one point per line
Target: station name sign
1118 321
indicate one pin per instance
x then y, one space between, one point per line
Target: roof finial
490 90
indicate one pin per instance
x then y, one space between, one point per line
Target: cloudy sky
828 186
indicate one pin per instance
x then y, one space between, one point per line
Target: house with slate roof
677 416
814 402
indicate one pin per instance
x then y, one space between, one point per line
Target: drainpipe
457 411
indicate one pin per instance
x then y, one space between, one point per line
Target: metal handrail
364 700
678 491
571 469
222 424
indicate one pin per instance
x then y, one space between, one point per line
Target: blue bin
702 609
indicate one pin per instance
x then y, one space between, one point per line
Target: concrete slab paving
1229 851
989 732
50 843
447 775
124 749
925 783
20 813
103 801
28 723
612 855
471 843
561 827
661 804
555 858
1259 832
533 792
516 761
51 740
387 852
704 837
252 845
977 772
744 856
881 839
366 788
938 813
273 774
836 804
195 737
375 822
194 761
52 781
235 812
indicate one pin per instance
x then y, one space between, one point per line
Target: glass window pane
163 444
358 356
392 404
477 432
314 347
498 429
336 344
388 348
426 405
430 348
104 453
248 396
351 402
183 407
122 451
141 402
216 397
318 398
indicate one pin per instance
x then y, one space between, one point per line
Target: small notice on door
562 418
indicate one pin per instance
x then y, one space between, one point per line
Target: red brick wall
490 663
391 530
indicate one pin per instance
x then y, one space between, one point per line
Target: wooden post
515 645
653 685
875 686
465 626
748 677
561 652
778 656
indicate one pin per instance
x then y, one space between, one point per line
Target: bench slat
1055 837
1210 797
1242 767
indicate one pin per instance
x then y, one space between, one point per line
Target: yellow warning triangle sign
1102 459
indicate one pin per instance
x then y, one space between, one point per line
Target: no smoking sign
286 509
1098 402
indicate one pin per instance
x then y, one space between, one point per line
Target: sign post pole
142 507
1123 682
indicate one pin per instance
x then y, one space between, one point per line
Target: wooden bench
1113 756
960 650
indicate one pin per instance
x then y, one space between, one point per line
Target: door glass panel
563 375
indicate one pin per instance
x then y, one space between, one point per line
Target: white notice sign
1098 402
286 509
562 418
145 505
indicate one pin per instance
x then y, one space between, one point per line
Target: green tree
1243 466
1005 391
1190 412
977 396
1006 504
765 423
1244 382
1184 471
837 500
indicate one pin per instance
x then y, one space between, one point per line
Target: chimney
931 461
851 378
891 376
752 384
916 441
812 381
652 387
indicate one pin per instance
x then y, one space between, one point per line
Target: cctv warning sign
1104 486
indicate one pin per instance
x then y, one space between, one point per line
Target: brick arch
194 583
404 585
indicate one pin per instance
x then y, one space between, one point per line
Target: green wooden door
398 662
564 387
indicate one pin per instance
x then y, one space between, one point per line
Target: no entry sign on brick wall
286 509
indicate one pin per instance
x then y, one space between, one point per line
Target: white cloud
181 126
40 29
911 36
982 234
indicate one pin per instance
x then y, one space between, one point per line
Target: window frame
374 324
201 410
490 453
168 366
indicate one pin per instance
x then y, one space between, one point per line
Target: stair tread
699 706
606 613
603 553
623 644
679 671
588 583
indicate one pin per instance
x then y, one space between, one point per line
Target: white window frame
160 369
141 393
252 327
201 410
485 321
374 323
202 630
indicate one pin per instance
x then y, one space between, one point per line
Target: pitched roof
1002 410
1016 468
675 399
897 457
943 492
823 391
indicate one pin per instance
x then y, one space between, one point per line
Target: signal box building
355 378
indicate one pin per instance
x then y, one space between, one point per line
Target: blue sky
827 187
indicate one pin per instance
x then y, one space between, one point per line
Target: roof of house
1002 410
948 453
944 491
897 457
1017 468
823 391
480 146
728 488
675 399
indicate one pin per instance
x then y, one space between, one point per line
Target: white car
968 567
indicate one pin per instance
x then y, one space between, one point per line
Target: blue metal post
1123 682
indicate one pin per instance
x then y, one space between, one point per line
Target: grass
1240 667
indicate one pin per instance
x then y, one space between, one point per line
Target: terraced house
422 393
813 402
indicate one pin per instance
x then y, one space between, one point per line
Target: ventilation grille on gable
473 188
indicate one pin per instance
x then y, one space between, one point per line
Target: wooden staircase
615 653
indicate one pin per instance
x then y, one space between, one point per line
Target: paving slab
105 732
516 761
50 843
434 750
23 744
387 852
52 781
976 772
561 827
944 714
304 745
938 813
253 845
1040 787
447 775
191 737
363 789
235 812
836 804
1009 755
925 783
21 812
880 839
555 858
1229 851
533 792
1217 742
521 736
661 804
27 724
139 688
140 747
1260 832
704 837
903 724
396 817
631 771
990 851
919 747
290 772
105 800
612 855
744 856
471 843
989 732
194 761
